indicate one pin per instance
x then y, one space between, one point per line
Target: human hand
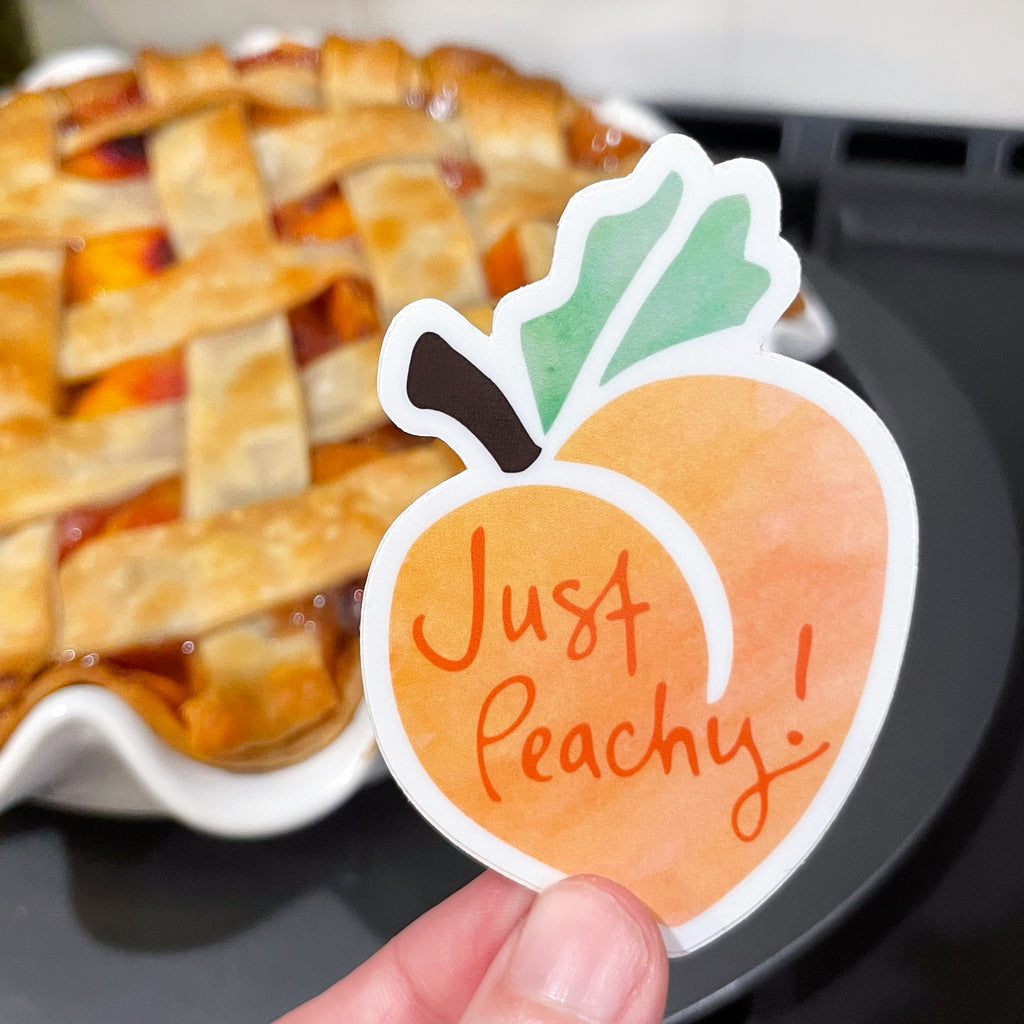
584 950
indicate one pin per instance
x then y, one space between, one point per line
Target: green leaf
556 344
708 286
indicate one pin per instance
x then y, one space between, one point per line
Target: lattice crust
198 259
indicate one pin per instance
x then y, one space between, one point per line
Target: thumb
588 951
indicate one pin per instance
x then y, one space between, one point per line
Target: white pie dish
82 748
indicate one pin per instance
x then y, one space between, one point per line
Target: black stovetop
929 221
105 921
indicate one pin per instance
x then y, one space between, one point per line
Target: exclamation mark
803 656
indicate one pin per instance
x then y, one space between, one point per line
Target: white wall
935 60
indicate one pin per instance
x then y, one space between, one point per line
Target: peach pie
198 258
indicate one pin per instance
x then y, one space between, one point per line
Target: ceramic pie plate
83 749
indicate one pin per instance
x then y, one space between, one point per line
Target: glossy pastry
198 259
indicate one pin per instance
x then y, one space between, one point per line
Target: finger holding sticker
584 951
652 631
587 951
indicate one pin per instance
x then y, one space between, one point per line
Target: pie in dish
198 259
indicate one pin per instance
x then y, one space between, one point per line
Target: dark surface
902 914
944 939
957 662
941 242
113 921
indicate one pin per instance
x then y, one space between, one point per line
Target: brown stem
444 380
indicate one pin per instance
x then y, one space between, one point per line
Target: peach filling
463 177
159 503
346 310
148 380
113 160
503 265
453 62
329 461
96 99
323 216
592 143
343 313
122 259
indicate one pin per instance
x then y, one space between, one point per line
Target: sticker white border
734 352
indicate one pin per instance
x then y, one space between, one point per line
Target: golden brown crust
49 466
282 86
150 695
341 392
313 736
184 578
237 278
416 240
30 297
28 154
206 178
367 71
256 686
173 86
524 123
66 207
429 162
536 240
158 701
137 120
245 425
515 192
166 78
26 598
301 157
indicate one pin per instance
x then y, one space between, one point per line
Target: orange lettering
612 758
664 745
627 611
476 628
484 739
759 788
586 756
659 744
577 749
533 750
583 620
586 616
531 618
803 657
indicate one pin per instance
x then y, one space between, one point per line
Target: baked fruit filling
243 694
199 257
322 216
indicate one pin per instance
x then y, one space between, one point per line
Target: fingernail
581 951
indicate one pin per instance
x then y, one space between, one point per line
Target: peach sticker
652 631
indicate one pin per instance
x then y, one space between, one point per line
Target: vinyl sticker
653 629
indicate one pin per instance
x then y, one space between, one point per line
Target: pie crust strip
26 600
415 235
30 294
237 278
55 465
51 466
185 578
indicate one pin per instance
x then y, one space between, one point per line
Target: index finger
428 973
